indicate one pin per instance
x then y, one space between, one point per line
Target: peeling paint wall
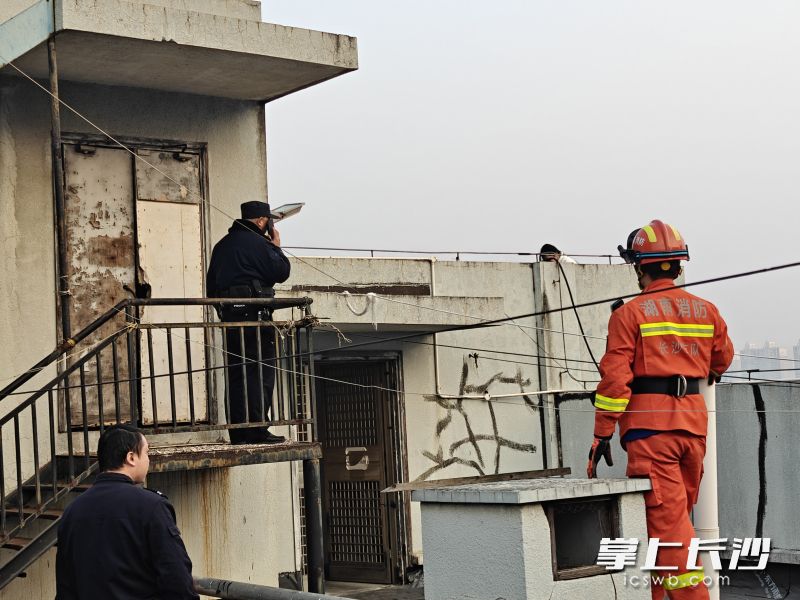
229 520
27 272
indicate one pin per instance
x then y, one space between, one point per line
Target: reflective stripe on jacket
666 331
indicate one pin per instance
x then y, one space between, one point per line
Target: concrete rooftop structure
214 47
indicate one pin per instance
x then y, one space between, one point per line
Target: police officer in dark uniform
117 539
247 263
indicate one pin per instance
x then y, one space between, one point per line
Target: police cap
254 209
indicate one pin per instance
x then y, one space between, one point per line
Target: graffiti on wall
471 449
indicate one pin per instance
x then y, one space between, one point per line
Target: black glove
601 448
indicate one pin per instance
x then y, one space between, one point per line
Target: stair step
50 514
48 487
17 543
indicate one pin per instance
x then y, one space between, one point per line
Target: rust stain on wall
109 251
214 497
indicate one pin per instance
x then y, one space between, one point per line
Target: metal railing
133 366
456 254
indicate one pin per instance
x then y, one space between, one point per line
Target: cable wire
577 316
211 205
497 321
485 323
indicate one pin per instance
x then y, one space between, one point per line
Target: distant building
767 358
796 352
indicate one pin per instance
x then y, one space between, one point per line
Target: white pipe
706 511
489 397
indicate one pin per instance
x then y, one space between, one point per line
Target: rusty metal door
100 261
169 226
358 455
128 224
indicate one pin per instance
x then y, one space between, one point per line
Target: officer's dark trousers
250 395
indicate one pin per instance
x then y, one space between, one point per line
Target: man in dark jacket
247 264
119 540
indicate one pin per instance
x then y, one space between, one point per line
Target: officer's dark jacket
242 256
119 541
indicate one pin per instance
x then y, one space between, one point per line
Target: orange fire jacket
665 331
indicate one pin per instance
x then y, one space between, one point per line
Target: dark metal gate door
353 431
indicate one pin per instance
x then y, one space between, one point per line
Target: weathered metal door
169 226
357 454
128 224
100 264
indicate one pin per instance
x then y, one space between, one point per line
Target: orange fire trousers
673 460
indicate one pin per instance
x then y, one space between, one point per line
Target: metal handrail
70 343
63 347
42 480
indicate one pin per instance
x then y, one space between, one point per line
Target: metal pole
234 590
58 189
312 491
546 413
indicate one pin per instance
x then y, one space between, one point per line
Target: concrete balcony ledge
190 457
400 312
163 45
531 491
241 9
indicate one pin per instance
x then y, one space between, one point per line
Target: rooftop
163 45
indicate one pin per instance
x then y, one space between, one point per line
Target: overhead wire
320 330
434 309
577 316
211 205
497 321
485 397
191 192
492 358
484 323
766 357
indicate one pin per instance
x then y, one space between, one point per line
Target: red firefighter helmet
657 242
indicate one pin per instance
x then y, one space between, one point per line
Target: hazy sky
497 126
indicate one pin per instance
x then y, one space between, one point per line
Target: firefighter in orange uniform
661 345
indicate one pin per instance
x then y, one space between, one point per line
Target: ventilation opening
576 527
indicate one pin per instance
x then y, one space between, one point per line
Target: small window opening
576 527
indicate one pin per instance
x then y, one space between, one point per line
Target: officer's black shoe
271 438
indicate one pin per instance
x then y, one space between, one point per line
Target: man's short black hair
549 249
115 443
655 271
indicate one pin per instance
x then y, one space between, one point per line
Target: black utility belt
675 385
243 312
246 291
